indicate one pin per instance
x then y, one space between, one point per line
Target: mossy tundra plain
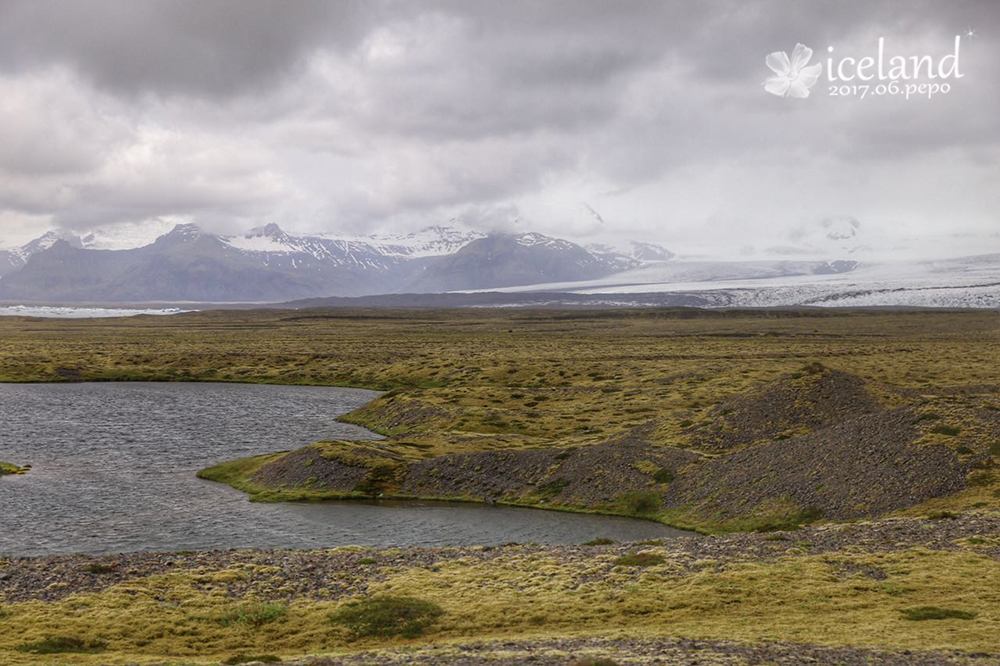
845 461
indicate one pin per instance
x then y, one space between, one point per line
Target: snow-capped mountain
14 258
188 264
521 259
126 235
432 241
269 264
278 249
379 252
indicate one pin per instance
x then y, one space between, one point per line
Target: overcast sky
585 120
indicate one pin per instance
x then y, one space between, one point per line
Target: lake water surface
114 470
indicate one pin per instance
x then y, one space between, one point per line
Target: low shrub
640 503
388 616
921 613
945 429
599 542
664 475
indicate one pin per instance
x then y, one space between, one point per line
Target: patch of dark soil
864 467
816 398
69 374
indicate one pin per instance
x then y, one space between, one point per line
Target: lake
113 470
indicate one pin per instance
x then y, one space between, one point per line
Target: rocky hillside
817 444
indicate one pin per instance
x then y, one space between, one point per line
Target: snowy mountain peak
432 241
126 235
533 238
185 231
271 230
437 240
15 258
649 252
50 238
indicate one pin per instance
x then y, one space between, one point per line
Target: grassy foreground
891 585
716 421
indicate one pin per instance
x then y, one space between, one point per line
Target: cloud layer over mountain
577 119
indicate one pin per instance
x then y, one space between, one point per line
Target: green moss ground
468 381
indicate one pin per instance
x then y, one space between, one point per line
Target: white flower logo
791 77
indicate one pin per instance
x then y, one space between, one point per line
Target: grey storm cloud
168 47
368 114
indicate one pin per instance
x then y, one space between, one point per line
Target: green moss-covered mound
8 468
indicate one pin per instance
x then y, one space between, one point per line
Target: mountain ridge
268 264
